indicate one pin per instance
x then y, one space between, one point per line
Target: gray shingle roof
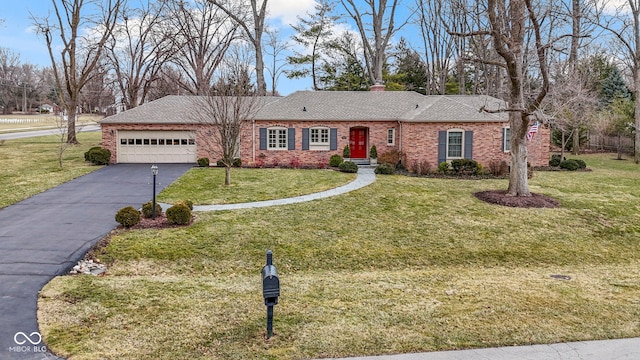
331 106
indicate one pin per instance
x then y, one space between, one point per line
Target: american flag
532 131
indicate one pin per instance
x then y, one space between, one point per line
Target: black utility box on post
270 290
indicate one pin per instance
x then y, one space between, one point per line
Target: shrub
556 159
188 203
386 169
466 167
373 152
581 163
498 168
348 167
128 216
98 156
443 167
346 152
237 162
421 167
393 157
570 165
203 162
335 160
147 209
179 214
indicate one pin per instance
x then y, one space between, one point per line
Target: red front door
358 143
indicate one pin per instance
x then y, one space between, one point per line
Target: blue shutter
263 138
468 145
333 139
442 147
305 138
291 138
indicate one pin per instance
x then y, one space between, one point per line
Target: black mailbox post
270 290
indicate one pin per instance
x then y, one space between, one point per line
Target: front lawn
404 265
30 166
206 185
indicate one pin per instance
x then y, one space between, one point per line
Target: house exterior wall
250 139
206 147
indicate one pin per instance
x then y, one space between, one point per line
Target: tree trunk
576 141
71 124
227 175
518 177
636 147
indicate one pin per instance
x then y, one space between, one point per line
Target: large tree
138 49
376 24
81 50
253 24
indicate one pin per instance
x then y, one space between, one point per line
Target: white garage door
156 147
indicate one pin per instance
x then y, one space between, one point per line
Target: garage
156 146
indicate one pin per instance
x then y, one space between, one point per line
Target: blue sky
16 33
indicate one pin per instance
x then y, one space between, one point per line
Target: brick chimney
378 86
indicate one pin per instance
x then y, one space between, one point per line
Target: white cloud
288 10
614 6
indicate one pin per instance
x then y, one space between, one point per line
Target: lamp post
154 171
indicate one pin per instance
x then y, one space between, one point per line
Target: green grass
404 265
206 185
30 166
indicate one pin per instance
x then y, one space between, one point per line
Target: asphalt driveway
45 235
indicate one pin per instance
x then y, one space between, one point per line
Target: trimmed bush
203 162
421 167
98 156
385 169
556 159
443 167
128 216
189 203
147 209
373 153
346 152
237 162
179 214
335 160
348 167
393 157
581 163
466 167
570 165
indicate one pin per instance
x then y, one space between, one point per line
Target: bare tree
253 25
201 35
224 111
376 21
274 49
624 25
80 54
137 50
9 78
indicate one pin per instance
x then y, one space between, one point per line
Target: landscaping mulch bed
500 197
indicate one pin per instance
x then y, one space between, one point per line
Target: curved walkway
366 176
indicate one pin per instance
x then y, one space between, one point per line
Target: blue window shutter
291 138
263 138
305 138
468 145
442 147
333 139
504 134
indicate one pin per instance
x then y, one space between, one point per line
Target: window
391 136
277 139
506 139
319 138
454 144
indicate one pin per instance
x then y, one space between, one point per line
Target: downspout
400 136
253 141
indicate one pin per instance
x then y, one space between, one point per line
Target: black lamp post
154 171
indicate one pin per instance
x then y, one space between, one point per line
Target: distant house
306 128
46 109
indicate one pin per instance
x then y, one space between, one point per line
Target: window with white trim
319 138
277 139
455 143
391 136
506 139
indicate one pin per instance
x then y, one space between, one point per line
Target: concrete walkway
366 176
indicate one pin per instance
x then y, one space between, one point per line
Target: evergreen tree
613 87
